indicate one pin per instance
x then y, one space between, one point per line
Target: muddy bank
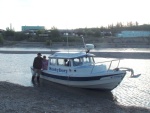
58 99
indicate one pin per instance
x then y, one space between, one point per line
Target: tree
9 34
55 32
136 23
18 36
1 40
40 31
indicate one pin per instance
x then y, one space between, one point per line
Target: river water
15 68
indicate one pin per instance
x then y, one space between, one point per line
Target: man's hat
39 54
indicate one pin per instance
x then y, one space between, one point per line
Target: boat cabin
71 59
73 64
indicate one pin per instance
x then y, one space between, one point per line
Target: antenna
84 44
67 42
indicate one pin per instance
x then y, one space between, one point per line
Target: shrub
48 42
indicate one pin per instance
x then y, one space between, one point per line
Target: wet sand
59 99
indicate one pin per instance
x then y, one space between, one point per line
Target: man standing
37 66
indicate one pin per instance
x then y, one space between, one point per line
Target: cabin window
67 62
61 62
86 59
92 59
77 62
53 61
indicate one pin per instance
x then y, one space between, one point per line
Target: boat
79 69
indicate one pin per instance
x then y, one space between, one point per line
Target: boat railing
112 64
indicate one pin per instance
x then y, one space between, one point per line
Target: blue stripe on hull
77 78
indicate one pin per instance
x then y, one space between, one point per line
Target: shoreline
78 46
16 98
120 55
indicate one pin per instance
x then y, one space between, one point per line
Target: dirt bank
109 42
57 99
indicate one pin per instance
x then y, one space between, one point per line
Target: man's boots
38 79
33 77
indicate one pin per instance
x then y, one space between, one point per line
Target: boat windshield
59 62
82 60
88 60
69 62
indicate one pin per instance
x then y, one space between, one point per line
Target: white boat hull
106 82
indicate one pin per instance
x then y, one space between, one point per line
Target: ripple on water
135 91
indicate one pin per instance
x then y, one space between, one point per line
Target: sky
72 14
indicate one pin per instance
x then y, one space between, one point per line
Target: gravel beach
58 99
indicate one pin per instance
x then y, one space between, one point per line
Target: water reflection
16 68
96 94
135 91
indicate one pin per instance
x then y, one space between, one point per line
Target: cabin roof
70 54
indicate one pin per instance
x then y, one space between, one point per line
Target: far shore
132 55
109 42
55 47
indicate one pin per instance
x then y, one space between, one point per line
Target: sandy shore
57 99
